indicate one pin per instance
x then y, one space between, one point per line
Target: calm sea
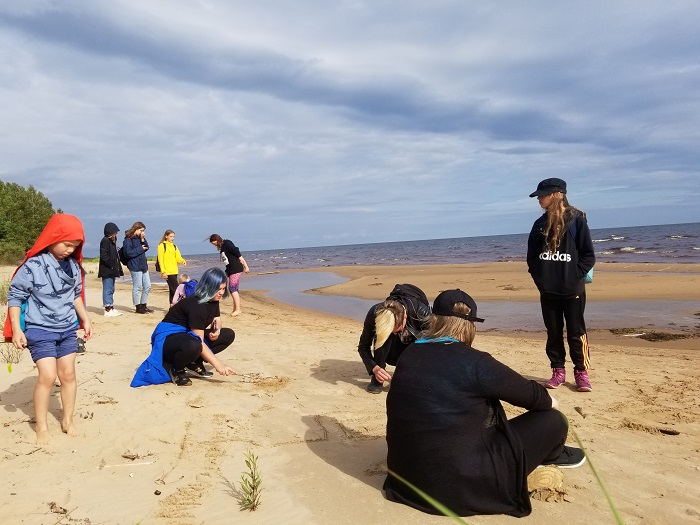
668 243
678 243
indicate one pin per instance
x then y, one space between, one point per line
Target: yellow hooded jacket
169 257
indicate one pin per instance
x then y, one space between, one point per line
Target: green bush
11 253
23 214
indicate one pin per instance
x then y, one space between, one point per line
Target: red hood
61 227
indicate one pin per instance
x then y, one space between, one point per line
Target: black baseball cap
445 302
549 186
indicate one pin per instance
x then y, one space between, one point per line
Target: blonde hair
183 278
559 214
450 326
387 318
165 235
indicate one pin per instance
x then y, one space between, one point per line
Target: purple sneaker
558 378
582 382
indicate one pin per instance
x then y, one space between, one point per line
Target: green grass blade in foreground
439 506
447 512
611 504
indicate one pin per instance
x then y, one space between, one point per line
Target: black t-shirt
191 314
229 256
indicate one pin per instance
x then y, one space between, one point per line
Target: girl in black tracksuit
559 255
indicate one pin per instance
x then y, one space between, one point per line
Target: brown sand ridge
169 455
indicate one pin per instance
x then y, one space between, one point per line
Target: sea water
675 243
666 243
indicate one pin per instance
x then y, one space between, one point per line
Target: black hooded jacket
561 273
417 313
109 260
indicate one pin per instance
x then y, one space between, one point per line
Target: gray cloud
290 123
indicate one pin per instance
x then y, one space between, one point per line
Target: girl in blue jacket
135 247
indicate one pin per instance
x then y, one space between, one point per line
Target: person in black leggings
447 432
202 336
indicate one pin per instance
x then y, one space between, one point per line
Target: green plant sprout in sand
251 483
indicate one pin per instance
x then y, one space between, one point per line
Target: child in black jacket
559 255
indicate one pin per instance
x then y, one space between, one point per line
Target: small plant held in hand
251 483
10 355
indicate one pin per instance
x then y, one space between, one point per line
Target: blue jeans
108 291
142 286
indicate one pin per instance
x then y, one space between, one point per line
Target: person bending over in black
390 327
189 334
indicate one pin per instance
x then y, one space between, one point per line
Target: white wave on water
611 238
635 243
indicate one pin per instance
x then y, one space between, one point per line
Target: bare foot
235 313
43 437
69 428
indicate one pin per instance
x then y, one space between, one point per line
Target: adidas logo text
556 256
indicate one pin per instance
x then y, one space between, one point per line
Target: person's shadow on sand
362 456
334 371
18 398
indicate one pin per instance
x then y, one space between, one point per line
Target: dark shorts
43 343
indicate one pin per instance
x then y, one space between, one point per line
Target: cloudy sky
289 123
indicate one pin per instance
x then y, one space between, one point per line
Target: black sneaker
198 368
146 309
570 457
81 345
375 387
179 377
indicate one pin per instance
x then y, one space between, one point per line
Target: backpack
190 287
165 247
121 255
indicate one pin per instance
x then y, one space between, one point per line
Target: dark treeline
23 214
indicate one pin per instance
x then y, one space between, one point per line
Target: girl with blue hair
189 334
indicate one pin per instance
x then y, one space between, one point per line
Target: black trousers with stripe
556 311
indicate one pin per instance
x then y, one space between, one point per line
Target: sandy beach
174 455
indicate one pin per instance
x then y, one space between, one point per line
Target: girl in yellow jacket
168 258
